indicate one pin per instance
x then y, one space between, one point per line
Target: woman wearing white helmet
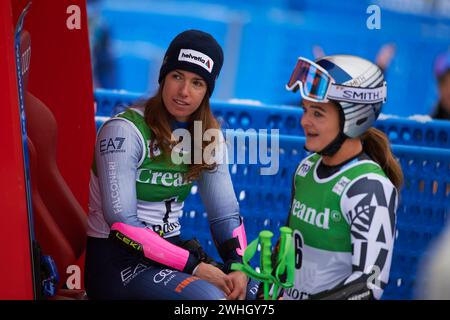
345 194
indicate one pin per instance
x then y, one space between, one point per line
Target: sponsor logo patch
304 168
196 57
340 185
164 275
111 145
130 273
185 283
311 215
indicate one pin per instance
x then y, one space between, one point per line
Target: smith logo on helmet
357 95
350 94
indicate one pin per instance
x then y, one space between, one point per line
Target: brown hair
376 145
159 121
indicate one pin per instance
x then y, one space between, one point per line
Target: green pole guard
285 261
284 231
245 267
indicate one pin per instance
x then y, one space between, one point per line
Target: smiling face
320 121
183 93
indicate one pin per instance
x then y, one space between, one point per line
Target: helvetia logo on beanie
196 57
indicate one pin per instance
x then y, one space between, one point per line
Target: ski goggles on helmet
317 85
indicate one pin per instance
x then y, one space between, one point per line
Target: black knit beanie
195 51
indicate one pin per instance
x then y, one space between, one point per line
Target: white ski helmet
356 85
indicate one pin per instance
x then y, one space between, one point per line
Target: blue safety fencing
264 199
248 115
264 203
422 213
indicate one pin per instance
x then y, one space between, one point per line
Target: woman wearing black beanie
137 190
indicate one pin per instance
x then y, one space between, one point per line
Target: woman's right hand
215 276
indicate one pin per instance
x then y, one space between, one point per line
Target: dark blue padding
432 133
264 200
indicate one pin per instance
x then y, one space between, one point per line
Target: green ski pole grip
285 261
265 238
286 258
285 233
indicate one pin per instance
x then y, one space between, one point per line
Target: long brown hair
159 121
376 145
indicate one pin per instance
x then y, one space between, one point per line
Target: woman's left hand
239 280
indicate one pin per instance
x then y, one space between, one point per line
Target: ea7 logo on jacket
111 145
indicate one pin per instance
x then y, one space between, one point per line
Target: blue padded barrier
264 203
431 133
111 102
423 211
264 200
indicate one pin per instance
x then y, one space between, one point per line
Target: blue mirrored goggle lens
314 81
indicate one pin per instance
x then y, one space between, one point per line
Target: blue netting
423 208
264 200
423 211
431 133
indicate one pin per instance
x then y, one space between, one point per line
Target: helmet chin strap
334 145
